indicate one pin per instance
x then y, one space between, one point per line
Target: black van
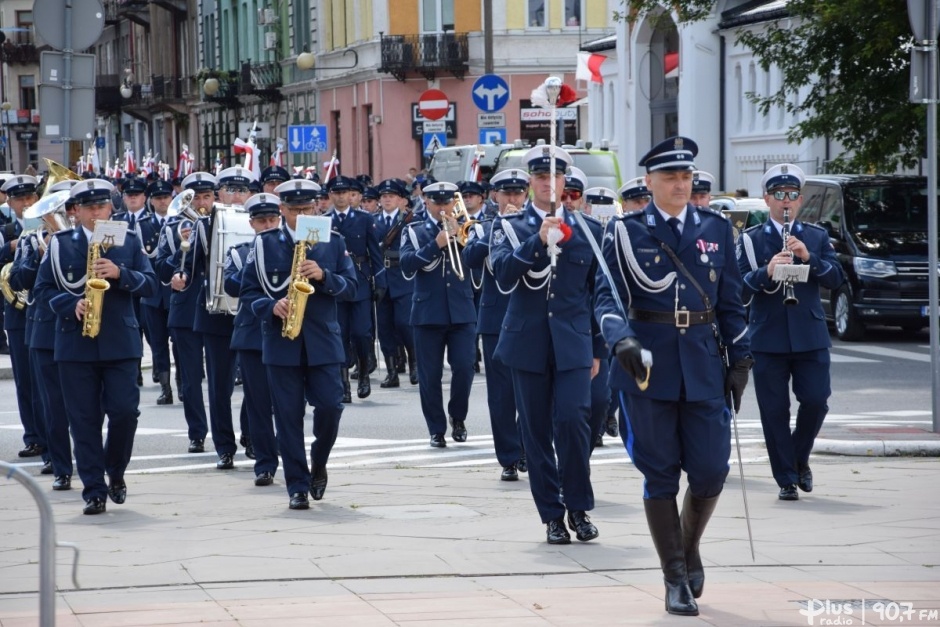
878 226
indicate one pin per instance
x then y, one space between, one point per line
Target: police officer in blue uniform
393 310
306 368
97 373
355 314
790 341
264 212
673 267
634 195
549 341
472 194
511 186
271 177
442 313
185 282
702 183
21 193
216 327
41 323
154 310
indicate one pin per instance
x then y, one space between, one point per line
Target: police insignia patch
251 255
228 261
738 250
498 237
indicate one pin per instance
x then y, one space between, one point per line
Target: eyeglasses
571 194
791 195
232 189
299 209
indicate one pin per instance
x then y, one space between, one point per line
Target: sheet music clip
790 273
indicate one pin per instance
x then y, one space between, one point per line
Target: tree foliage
845 67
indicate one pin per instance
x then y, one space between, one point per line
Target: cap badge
784 169
678 144
90 185
199 177
298 185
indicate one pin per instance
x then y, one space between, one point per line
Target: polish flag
184 166
671 65
129 166
589 67
277 157
251 156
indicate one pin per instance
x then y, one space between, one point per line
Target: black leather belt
391 263
681 318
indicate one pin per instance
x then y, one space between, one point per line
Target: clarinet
789 297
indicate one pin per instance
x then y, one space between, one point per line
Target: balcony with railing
425 54
262 80
108 93
20 48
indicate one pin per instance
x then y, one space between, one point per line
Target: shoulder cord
269 288
76 288
633 265
752 260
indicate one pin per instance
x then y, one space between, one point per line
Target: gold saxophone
94 294
297 293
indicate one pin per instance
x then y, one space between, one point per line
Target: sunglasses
571 195
235 189
790 195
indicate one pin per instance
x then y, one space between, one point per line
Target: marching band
598 311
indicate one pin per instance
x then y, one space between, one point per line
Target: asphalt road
882 383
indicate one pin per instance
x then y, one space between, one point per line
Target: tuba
17 299
298 291
94 294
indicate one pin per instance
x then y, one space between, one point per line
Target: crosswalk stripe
882 351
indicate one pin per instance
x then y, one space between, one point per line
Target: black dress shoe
298 500
509 473
62 482
46 468
458 430
94 506
806 478
437 441
4 350
599 441
581 524
556 532
789 493
32 450
225 462
364 389
197 446
318 483
522 465
264 479
140 379
249 449
117 492
611 428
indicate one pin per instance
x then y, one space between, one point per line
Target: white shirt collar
88 234
681 217
778 226
391 215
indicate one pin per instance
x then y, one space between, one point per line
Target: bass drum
230 226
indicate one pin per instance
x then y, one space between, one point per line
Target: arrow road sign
490 93
306 138
434 141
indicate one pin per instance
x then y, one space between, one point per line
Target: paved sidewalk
455 546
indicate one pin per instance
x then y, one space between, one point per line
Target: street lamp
305 60
127 85
211 86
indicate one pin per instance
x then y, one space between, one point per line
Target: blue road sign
307 138
99 143
490 93
492 136
434 141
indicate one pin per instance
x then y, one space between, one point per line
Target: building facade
19 76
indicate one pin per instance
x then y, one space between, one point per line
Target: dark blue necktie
674 225
388 222
133 220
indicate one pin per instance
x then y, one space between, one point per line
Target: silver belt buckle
682 319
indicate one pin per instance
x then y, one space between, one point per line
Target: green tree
845 68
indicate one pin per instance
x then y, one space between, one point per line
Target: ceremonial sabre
737 443
555 235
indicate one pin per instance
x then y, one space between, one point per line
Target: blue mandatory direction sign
492 136
490 93
307 138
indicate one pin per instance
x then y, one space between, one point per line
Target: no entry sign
433 104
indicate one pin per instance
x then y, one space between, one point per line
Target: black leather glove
378 294
736 380
628 352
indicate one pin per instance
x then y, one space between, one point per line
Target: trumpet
454 231
789 297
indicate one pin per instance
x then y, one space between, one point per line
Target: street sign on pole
492 136
306 138
923 25
52 96
262 131
433 104
86 17
490 93
433 142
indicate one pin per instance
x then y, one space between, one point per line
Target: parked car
743 212
878 226
599 165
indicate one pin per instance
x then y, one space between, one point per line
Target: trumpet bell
182 205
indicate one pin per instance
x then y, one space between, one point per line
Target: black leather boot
347 394
401 359
364 389
695 514
391 380
140 373
662 516
166 392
